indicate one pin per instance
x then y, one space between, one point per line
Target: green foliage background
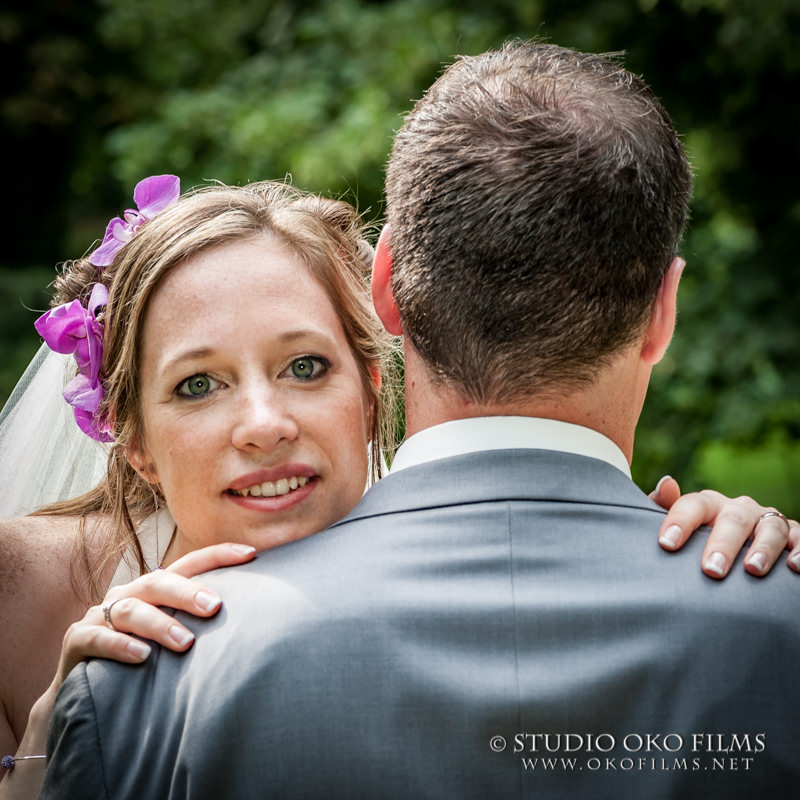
97 95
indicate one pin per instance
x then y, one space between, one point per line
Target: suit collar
479 434
501 475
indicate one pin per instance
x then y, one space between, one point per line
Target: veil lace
44 457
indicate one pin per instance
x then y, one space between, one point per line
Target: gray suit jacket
488 626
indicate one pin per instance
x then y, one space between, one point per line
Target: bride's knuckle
96 611
121 611
93 638
736 514
751 505
146 580
72 632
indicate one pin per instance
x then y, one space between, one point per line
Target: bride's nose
263 420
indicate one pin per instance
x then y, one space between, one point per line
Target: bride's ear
138 458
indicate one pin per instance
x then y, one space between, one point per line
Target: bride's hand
133 609
734 521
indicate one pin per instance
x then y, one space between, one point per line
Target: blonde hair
327 235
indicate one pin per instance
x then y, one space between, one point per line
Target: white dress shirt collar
476 434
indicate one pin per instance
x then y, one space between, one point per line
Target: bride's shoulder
44 554
30 546
38 531
41 590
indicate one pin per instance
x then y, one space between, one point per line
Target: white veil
44 456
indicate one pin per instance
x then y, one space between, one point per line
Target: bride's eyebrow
187 355
310 333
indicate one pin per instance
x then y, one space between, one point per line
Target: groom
494 619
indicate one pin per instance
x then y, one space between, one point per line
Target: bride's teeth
270 489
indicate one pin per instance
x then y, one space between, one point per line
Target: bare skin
48 625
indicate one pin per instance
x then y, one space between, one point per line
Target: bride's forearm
24 780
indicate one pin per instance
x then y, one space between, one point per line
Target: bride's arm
37 604
22 782
734 520
135 612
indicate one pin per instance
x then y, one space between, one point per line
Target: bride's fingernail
138 649
670 536
244 549
661 481
206 601
180 635
716 563
795 561
757 560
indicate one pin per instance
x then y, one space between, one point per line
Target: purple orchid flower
85 402
151 196
74 330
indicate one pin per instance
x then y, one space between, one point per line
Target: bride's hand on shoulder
734 521
110 629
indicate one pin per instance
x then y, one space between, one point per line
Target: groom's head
535 197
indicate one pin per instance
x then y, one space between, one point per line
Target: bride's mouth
278 488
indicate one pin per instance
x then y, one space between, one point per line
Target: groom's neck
611 404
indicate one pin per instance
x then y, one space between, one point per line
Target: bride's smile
256 421
268 488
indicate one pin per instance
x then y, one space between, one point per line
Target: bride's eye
197 386
309 367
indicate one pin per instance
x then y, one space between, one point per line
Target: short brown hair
536 196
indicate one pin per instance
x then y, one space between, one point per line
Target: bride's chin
262 522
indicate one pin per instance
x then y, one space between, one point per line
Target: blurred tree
60 93
732 374
275 88
43 83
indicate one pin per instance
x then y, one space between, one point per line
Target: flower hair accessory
151 196
74 330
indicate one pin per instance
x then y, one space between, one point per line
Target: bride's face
255 418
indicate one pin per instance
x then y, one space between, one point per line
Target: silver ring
107 612
775 514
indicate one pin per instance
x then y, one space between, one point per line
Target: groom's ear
662 321
382 293
375 374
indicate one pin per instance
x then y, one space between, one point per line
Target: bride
128 315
